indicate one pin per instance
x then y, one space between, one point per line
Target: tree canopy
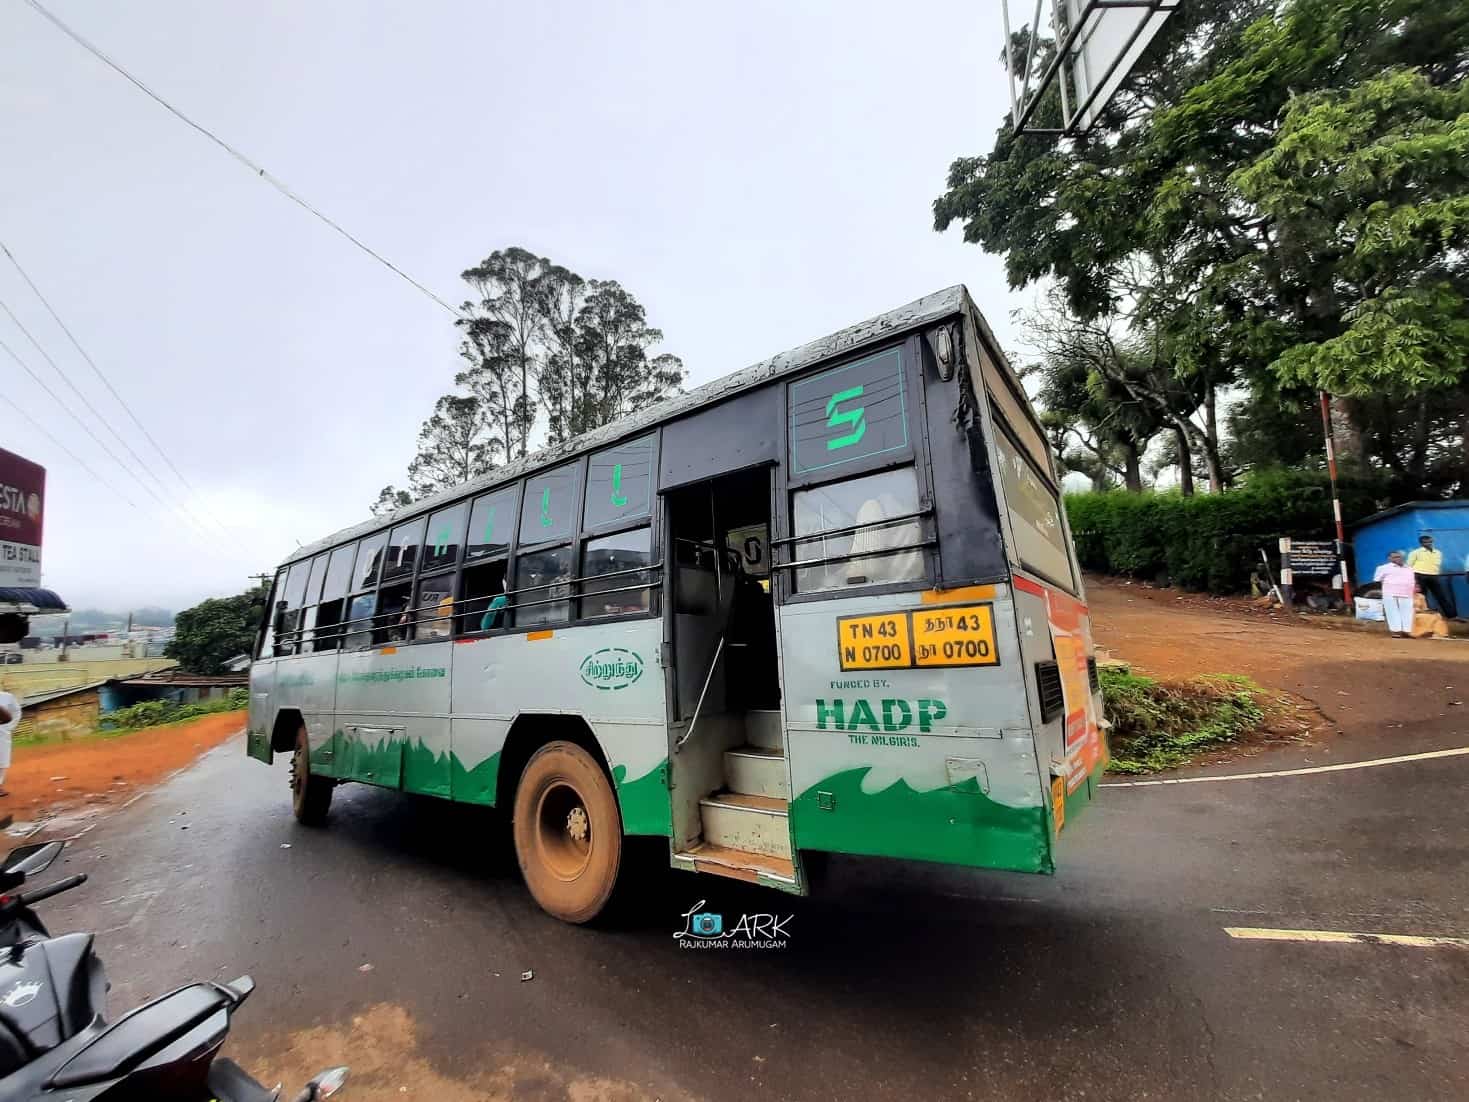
216 630
544 351
1275 203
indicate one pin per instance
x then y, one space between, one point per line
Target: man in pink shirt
1397 581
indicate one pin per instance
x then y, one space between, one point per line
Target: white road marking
1247 933
1458 751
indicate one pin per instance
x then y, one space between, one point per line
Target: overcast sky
757 175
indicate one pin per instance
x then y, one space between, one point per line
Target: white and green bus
827 604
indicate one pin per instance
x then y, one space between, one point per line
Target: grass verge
1160 725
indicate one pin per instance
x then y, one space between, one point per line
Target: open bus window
434 608
402 551
327 635
1035 516
482 600
394 621
369 561
879 555
359 617
546 574
614 555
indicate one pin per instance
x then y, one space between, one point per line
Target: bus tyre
568 832
311 796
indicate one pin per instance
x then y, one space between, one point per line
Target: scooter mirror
28 860
327 1084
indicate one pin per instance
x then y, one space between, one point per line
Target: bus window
267 637
313 595
619 485
333 594
288 608
490 524
482 598
844 505
444 537
1035 516
545 576
615 555
549 509
369 561
402 551
433 608
393 624
359 622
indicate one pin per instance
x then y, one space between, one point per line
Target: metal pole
1341 536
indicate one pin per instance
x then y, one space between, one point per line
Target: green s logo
835 418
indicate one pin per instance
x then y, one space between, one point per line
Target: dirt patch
100 770
381 1046
1354 683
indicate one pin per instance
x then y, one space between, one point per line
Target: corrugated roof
915 315
1451 503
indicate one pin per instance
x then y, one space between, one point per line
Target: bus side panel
608 674
262 710
393 717
926 763
307 683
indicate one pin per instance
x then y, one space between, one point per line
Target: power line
183 508
85 428
10 403
105 382
259 170
77 391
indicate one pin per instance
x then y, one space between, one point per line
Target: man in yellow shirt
1426 561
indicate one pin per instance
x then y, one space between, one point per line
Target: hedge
151 713
1208 542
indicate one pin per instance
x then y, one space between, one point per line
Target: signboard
22 498
1314 558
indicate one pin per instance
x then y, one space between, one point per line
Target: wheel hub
578 827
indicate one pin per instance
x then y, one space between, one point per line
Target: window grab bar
688 734
885 522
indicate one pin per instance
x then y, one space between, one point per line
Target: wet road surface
1114 979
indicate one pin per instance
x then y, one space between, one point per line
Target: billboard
22 504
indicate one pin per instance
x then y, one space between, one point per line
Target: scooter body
56 1044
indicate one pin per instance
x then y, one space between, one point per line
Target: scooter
55 1043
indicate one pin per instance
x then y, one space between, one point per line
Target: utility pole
1341 535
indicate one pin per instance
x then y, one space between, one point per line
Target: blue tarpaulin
1398 529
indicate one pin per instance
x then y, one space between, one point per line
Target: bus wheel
310 796
568 832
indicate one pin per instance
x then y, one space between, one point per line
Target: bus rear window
873 554
1035 516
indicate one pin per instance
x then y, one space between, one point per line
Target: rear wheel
568 832
311 797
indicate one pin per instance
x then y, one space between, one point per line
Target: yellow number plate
960 636
1058 802
874 642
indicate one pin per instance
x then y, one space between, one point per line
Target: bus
827 604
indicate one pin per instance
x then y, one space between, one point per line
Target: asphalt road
1113 979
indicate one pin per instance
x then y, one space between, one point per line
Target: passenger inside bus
480 587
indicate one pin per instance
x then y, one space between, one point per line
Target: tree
1275 199
562 378
213 631
508 283
454 446
389 500
611 339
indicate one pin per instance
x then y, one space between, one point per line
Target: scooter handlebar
28 899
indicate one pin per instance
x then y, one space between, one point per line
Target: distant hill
85 620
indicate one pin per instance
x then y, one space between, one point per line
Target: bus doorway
730 782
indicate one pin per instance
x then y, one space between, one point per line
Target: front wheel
311 796
568 832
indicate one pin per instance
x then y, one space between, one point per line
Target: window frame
1012 545
783 539
653 586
